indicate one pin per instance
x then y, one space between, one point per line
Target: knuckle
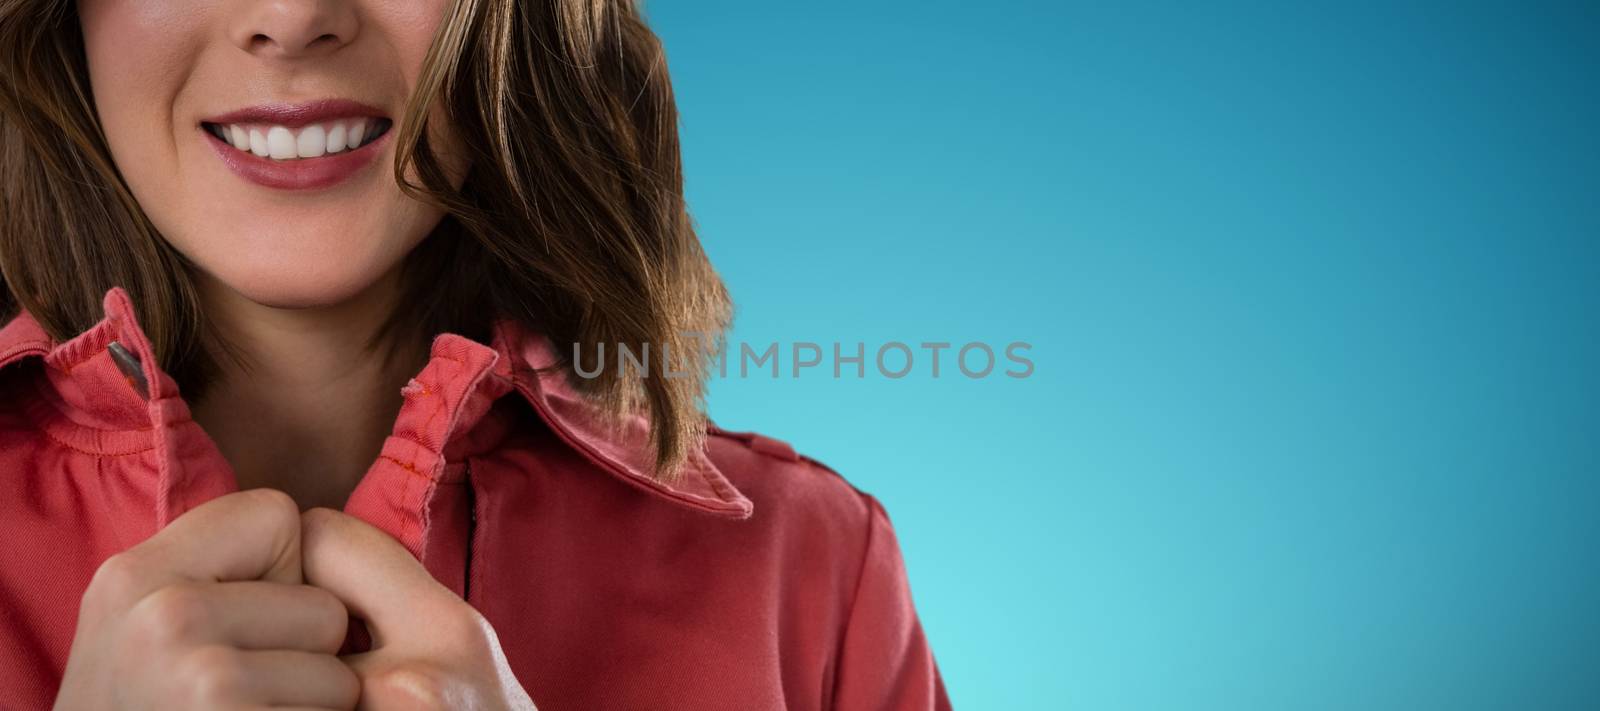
414 685
212 674
464 613
174 613
280 507
118 579
318 517
469 631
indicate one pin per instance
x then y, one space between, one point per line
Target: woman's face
258 135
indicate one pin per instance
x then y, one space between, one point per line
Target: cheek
409 29
139 54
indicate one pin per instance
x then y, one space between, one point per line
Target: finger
375 577
248 535
293 678
289 708
254 615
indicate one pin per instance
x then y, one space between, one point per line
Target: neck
307 406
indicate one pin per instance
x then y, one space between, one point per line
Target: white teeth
284 143
280 142
312 141
336 138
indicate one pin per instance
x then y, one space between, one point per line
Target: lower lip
300 173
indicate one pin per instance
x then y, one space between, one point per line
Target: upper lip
294 115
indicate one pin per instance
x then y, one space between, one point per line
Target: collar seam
49 419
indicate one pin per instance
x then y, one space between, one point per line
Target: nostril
322 41
261 40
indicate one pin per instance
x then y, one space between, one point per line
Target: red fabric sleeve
885 663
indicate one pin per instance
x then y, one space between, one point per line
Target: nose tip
295 28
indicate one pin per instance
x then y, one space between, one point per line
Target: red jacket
760 580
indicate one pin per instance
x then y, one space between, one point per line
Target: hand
210 613
430 649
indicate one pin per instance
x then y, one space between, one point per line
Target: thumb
246 535
375 577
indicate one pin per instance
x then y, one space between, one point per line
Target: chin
300 268
297 285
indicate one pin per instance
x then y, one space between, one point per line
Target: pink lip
302 173
297 115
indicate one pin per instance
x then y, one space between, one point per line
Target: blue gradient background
1313 298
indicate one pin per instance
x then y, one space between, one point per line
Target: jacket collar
106 378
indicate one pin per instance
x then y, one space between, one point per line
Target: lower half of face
259 137
287 247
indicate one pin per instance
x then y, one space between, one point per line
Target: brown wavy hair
571 219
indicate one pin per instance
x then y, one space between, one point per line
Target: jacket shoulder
783 483
838 545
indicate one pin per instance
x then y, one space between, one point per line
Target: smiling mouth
312 140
